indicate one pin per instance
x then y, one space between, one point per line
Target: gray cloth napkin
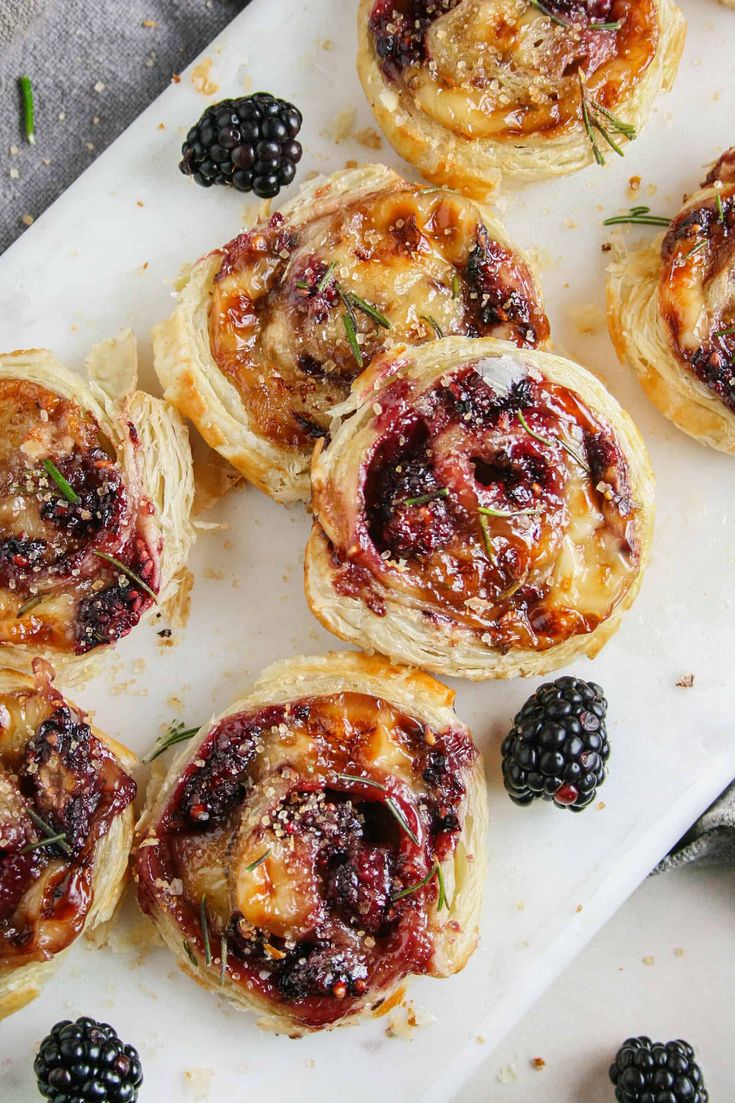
95 64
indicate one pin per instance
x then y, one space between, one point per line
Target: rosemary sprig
720 209
560 22
49 833
258 861
547 440
66 488
322 285
433 323
435 871
695 249
592 113
369 309
422 499
390 804
637 216
29 604
487 539
127 571
205 930
724 332
43 842
490 512
223 952
348 321
29 119
176 733
190 954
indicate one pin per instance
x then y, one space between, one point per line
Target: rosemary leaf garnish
369 309
442 901
720 209
490 512
389 803
593 113
176 733
487 540
205 930
351 332
303 284
49 833
547 440
414 888
433 323
43 842
695 249
724 332
364 781
190 954
66 489
455 285
29 120
549 14
400 819
606 26
31 603
258 861
422 499
223 951
637 216
127 572
322 285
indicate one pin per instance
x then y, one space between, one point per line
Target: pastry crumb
198 1083
201 78
686 681
369 138
679 951
342 125
649 959
538 1063
507 1075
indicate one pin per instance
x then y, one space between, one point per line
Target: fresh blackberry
248 143
86 1061
657 1072
557 747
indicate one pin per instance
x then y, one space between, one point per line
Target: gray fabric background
69 46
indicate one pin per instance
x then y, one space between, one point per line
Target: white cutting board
103 258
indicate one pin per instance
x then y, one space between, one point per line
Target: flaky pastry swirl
319 842
671 312
470 91
66 825
481 510
271 330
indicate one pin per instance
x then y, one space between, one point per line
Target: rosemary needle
637 216
348 321
65 487
422 499
176 733
205 930
390 804
127 571
548 440
258 861
29 113
439 332
49 832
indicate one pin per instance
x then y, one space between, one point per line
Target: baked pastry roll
270 331
66 825
319 842
95 493
671 312
481 511
470 91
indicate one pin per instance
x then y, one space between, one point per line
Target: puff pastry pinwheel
480 511
671 312
470 91
271 330
319 842
95 493
66 826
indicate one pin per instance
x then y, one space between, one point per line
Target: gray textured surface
69 48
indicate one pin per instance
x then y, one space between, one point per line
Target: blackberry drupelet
557 747
248 143
657 1072
86 1061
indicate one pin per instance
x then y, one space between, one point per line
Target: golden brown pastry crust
493 54
36 773
129 455
385 715
256 352
670 308
449 535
